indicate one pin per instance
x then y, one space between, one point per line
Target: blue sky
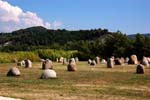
128 16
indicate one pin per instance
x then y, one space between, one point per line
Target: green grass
98 83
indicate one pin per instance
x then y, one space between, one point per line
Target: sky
127 16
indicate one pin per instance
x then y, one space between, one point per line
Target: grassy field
98 83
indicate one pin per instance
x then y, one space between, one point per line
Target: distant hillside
87 43
42 37
132 36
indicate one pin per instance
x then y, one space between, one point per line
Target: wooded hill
40 36
89 43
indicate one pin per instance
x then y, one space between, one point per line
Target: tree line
88 43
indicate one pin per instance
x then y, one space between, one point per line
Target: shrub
53 54
17 56
34 55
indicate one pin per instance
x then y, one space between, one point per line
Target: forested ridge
88 43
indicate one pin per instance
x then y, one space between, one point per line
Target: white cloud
13 18
56 24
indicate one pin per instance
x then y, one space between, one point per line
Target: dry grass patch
98 83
